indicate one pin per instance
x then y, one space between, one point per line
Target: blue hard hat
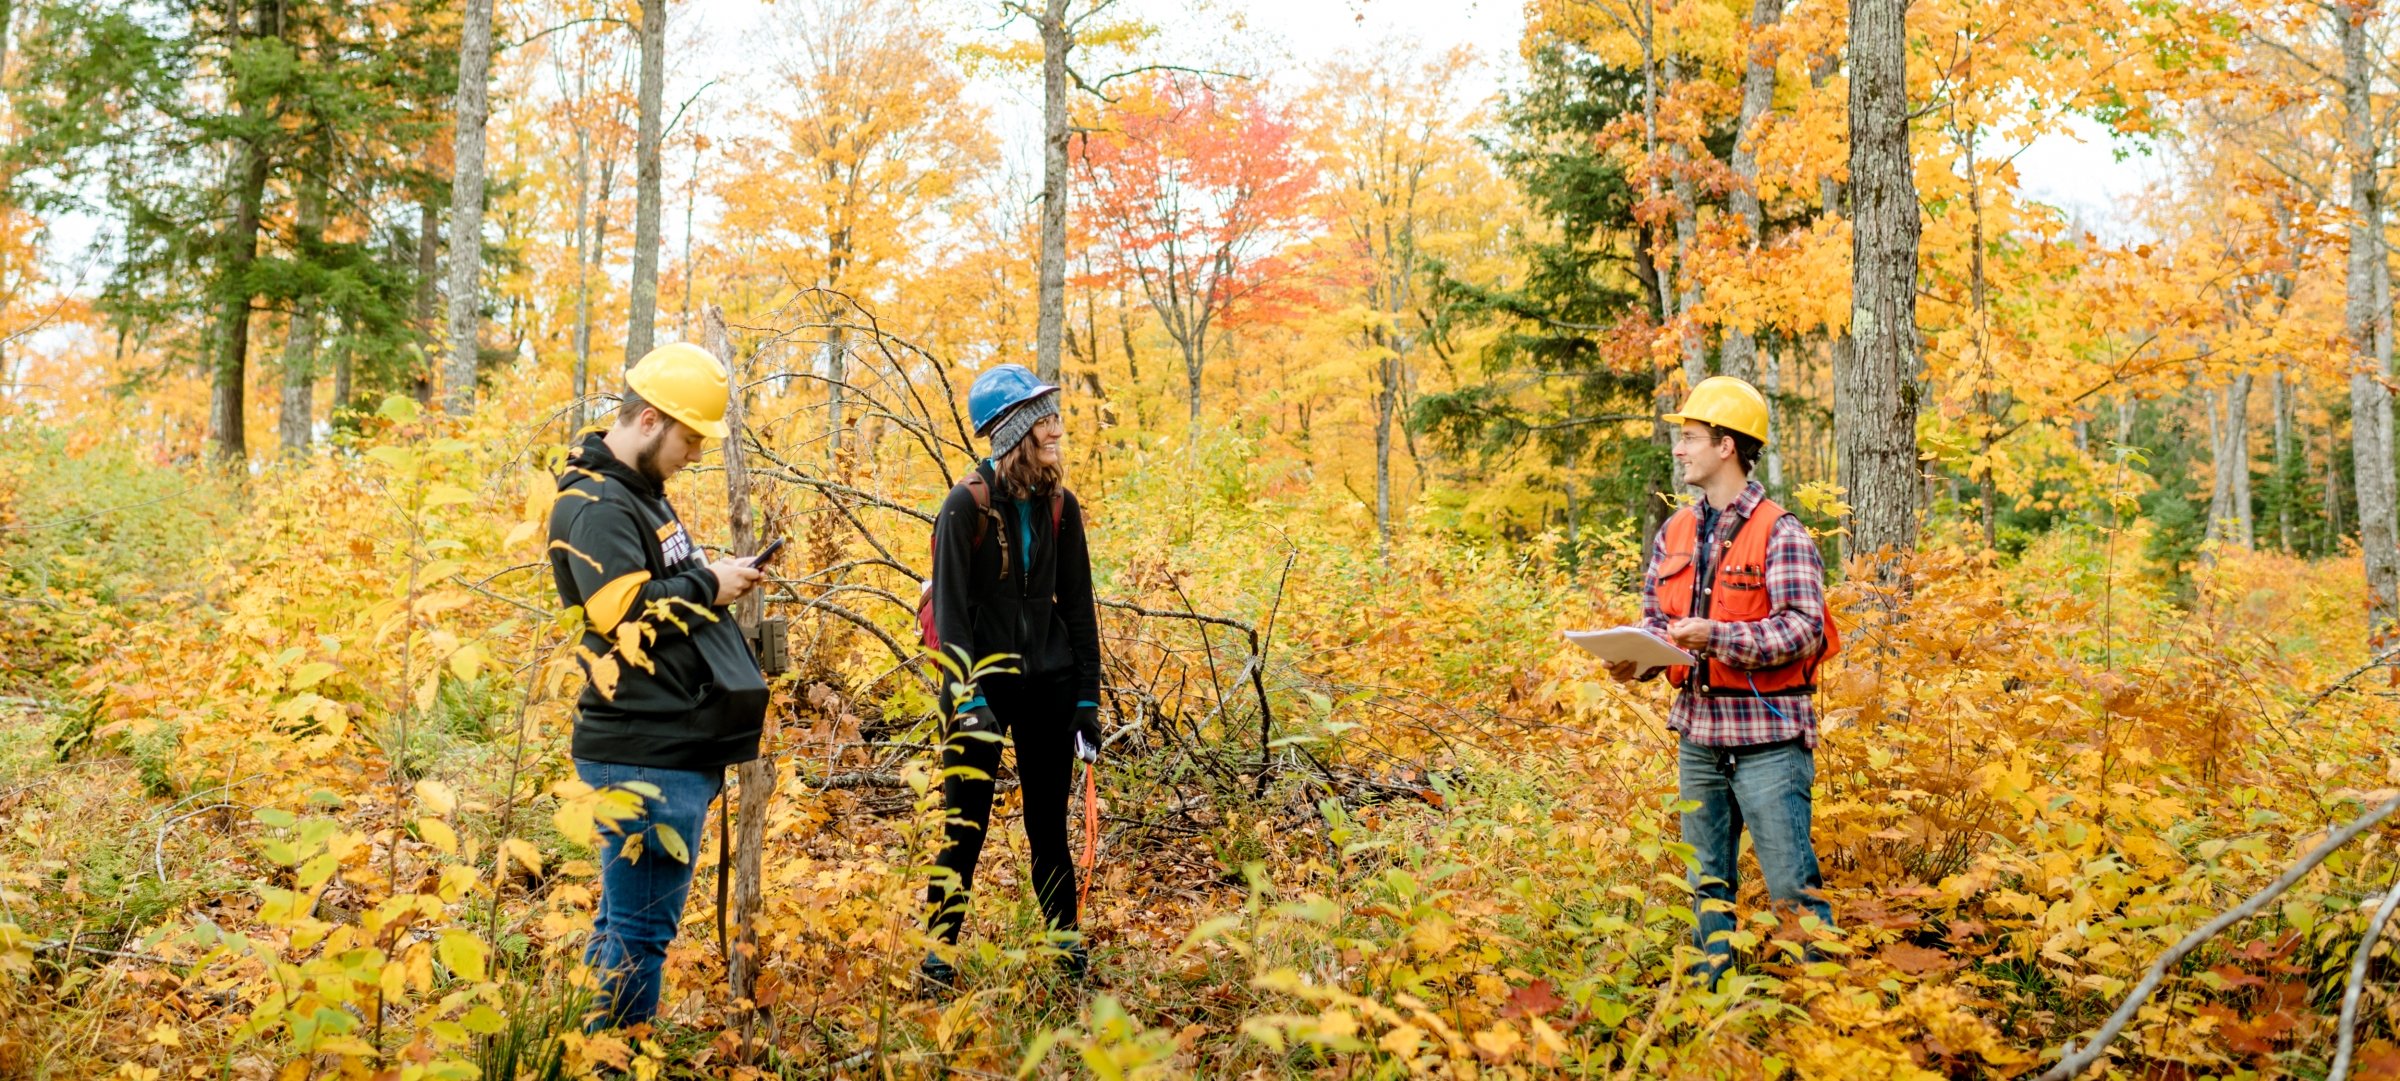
999 389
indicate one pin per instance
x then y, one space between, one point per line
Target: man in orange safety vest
1739 584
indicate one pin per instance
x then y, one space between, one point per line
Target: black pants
1038 713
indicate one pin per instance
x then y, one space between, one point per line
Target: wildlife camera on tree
770 644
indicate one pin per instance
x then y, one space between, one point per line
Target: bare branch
2073 1061
504 46
2357 983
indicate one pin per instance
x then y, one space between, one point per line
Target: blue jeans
1764 788
641 899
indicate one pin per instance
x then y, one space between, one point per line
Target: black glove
1087 728
979 719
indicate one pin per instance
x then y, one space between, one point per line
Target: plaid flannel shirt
1794 628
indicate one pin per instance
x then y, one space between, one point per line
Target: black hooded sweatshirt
987 599
619 552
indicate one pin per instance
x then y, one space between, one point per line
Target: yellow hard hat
1727 403
685 382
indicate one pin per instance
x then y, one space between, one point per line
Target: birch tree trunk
2286 478
2229 496
2237 411
2369 330
1051 318
642 307
1740 354
1874 388
466 209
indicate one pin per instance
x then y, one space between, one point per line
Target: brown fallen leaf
1916 960
1536 999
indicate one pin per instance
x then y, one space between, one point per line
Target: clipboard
1647 651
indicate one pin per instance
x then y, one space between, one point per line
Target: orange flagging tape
1091 836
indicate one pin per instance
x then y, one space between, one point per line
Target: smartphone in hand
772 550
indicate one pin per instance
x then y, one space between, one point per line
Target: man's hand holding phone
735 577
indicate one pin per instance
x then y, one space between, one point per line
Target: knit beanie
1019 420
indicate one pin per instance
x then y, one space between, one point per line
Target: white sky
2091 176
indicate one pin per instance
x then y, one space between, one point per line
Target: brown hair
1746 447
1023 476
630 406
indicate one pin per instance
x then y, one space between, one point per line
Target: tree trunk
755 779
1989 398
1133 360
2285 477
837 342
1770 385
1664 293
1689 343
1740 356
2369 330
583 273
225 421
1831 197
691 202
341 380
1052 308
2229 495
642 308
466 209
2237 411
837 370
294 420
1387 402
1193 358
429 246
1875 407
8 377
599 253
2334 527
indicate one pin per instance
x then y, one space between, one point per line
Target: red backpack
975 486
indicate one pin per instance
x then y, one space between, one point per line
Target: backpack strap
982 493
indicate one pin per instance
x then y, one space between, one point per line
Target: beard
645 460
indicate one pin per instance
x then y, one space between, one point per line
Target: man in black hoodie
672 695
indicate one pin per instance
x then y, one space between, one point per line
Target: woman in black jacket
1011 576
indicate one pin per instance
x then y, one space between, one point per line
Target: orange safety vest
1735 593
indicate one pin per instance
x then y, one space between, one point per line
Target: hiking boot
1077 962
936 978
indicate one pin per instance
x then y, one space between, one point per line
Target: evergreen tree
1549 387
196 129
